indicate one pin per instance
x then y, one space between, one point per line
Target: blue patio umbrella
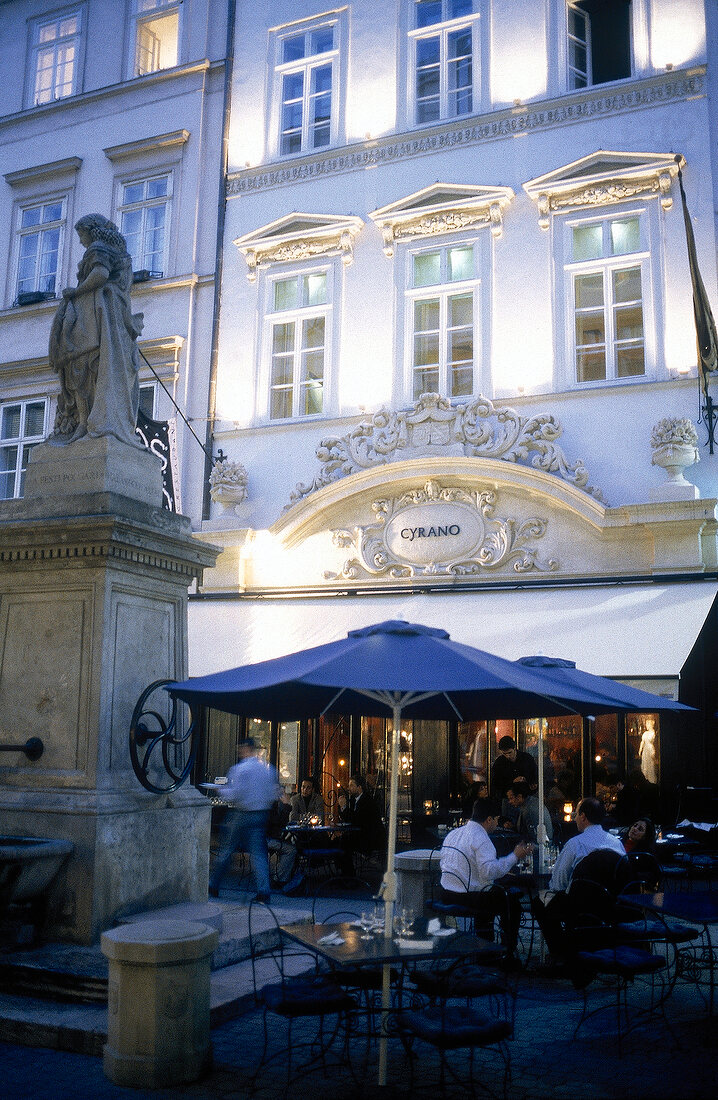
405 670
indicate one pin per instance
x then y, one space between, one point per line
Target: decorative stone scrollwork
298 237
433 426
436 531
604 194
446 222
228 483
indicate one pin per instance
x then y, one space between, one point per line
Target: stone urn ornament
674 442
228 484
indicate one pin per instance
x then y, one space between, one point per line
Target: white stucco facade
341 450
464 198
136 139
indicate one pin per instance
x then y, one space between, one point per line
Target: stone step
55 995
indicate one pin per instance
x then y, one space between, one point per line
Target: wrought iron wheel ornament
150 731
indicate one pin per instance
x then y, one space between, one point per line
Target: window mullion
297 366
306 106
444 73
610 321
443 342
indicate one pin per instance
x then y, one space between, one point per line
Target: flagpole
706 336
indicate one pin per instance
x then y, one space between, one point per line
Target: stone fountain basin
40 859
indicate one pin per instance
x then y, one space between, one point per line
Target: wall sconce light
567 811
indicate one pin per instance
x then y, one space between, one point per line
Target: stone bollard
158 1002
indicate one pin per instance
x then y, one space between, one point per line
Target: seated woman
641 837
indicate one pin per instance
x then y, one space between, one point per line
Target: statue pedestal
93 607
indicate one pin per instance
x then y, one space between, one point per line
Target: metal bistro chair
287 988
343 899
462 876
605 944
637 873
473 978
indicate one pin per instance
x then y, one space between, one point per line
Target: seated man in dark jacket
362 812
278 842
308 803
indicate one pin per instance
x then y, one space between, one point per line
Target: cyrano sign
436 532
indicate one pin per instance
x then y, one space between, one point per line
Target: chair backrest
590 899
266 946
637 872
598 866
459 874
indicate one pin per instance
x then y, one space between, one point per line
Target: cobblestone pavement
658 1062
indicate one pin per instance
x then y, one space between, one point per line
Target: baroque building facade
456 304
445 346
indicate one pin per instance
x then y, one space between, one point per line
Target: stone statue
93 345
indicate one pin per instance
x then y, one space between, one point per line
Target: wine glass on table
366 921
407 921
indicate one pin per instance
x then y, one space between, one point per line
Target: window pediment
298 237
441 208
603 178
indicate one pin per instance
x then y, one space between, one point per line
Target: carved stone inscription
434 532
440 531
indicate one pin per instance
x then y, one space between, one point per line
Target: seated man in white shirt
591 838
470 867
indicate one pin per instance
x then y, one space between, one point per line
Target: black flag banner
706 337
159 436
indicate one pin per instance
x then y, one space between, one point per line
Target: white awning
632 631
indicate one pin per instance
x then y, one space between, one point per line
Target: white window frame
297 315
22 441
607 264
140 15
566 38
443 291
306 65
77 39
150 387
442 31
145 204
575 74
22 233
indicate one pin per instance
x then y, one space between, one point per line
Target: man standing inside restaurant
511 763
252 787
470 867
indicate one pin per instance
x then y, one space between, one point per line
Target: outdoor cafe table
356 951
697 908
380 950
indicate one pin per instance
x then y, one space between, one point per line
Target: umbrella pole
389 888
541 834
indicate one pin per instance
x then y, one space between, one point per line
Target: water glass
407 922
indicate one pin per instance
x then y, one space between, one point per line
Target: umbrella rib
455 709
332 701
